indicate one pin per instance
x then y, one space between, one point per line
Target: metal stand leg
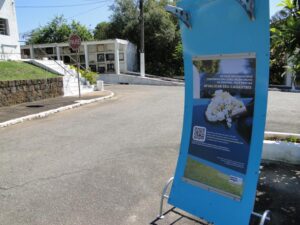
264 217
164 196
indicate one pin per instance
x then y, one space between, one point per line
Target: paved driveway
102 164
283 112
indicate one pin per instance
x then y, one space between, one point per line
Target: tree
162 36
102 31
161 39
285 38
58 30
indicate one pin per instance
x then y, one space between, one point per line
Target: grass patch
209 176
14 70
291 139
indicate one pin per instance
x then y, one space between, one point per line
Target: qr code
199 133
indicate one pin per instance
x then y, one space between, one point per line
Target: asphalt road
102 164
283 112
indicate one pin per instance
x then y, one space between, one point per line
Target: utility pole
142 50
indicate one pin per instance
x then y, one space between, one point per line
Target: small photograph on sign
207 177
234 76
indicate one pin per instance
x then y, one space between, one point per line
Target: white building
106 56
9 36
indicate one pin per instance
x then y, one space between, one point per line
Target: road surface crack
43 179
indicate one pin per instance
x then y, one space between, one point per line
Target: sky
34 13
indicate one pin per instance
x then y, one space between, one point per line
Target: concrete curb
281 151
53 111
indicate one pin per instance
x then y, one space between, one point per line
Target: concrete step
69 75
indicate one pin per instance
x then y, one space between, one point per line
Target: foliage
89 75
292 139
209 67
58 30
13 70
162 36
285 39
101 31
178 58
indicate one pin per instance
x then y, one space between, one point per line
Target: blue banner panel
226 59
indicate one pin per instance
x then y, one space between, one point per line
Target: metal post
78 76
265 216
164 196
142 50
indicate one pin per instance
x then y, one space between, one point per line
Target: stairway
70 79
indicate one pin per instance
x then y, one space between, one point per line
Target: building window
93 68
110 68
121 56
110 57
26 52
67 59
82 58
101 69
100 58
49 51
4 26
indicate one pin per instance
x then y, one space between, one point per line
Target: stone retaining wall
20 91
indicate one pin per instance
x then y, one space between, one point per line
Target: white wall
131 56
9 44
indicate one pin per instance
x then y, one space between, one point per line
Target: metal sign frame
220 27
249 6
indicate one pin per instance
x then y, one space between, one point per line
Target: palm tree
285 35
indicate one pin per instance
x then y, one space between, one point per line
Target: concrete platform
132 79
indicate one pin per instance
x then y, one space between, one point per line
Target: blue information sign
226 57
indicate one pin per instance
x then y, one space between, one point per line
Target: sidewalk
30 108
278 190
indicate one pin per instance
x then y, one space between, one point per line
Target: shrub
90 76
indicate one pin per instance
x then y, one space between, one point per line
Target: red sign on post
74 42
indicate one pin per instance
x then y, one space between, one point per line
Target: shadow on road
279 191
178 218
